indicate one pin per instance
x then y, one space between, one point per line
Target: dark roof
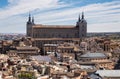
95 76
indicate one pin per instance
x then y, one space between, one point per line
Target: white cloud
97 15
24 6
104 27
104 11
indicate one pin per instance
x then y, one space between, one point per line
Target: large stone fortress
52 34
57 31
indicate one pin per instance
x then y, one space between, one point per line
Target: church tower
82 26
29 25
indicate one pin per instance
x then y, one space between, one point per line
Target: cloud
104 27
17 7
104 11
59 12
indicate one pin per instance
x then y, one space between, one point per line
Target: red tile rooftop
26 47
53 26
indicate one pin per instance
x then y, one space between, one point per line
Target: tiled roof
93 55
87 67
53 26
26 47
108 73
50 44
40 58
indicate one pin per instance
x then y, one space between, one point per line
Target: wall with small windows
55 33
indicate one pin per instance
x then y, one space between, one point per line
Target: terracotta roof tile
53 26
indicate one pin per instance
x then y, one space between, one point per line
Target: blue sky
101 15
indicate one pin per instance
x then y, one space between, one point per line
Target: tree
26 76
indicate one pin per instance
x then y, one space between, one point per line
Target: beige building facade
39 31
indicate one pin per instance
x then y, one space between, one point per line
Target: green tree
26 76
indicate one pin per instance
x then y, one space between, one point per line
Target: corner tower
29 25
82 24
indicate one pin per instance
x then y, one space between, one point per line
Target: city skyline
101 15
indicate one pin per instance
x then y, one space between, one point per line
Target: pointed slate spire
33 20
29 19
82 15
79 18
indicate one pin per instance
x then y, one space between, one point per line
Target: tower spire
29 19
33 20
79 18
82 15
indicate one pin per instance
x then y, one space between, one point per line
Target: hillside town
59 39
59 52
91 58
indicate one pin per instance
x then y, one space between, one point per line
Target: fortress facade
40 32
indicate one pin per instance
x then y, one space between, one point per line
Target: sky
101 15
